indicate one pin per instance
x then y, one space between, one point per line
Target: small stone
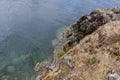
113 75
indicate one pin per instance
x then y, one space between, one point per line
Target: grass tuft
60 54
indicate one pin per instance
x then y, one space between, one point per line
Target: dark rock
88 24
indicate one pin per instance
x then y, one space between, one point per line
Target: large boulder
87 24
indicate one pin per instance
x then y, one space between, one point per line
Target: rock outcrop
92 58
89 57
87 24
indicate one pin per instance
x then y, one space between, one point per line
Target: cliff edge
92 49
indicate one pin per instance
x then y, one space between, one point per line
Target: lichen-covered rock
40 66
54 65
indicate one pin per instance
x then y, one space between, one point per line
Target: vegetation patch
92 59
60 54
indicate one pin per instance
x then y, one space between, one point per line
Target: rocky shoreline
88 24
92 45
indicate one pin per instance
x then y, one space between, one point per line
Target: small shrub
60 54
92 59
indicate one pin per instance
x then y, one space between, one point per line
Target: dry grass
104 44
